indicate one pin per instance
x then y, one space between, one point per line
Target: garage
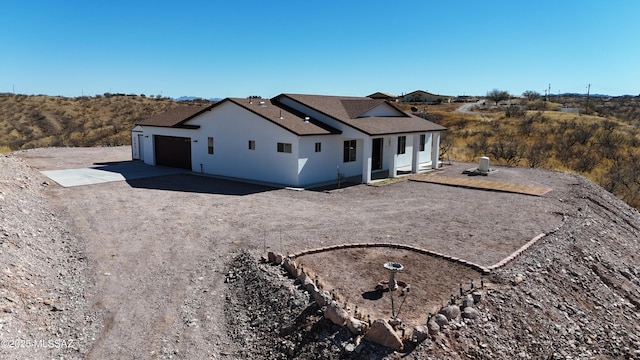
173 151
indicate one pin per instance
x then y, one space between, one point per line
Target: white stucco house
292 139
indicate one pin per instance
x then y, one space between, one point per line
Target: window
252 144
402 144
210 145
318 147
284 147
349 154
423 141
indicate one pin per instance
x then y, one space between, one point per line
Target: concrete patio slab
119 171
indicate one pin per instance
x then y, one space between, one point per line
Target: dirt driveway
158 247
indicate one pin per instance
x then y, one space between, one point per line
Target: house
423 97
383 95
292 139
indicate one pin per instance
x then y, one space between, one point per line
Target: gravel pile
43 289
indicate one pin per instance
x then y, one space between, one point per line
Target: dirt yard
157 248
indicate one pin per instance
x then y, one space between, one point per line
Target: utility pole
586 108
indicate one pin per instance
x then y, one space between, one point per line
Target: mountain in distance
190 98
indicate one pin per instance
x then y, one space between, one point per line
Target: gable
383 110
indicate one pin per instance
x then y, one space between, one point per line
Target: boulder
467 301
441 320
290 266
469 313
433 327
356 326
322 297
451 312
336 314
271 256
382 333
477 297
278 259
421 332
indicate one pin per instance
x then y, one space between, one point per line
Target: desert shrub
538 153
507 150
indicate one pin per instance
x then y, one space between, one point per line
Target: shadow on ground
198 184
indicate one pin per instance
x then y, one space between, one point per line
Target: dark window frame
349 151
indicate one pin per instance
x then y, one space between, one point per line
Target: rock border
382 331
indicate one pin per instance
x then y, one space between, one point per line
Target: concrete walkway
117 171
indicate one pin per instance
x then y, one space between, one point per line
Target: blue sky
241 48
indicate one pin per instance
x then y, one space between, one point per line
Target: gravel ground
140 269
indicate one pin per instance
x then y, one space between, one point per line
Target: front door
376 154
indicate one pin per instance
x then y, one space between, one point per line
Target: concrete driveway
108 172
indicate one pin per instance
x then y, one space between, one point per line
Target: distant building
420 96
383 96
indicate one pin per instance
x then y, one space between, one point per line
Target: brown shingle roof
344 108
175 117
284 117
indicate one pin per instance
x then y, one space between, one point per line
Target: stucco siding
232 128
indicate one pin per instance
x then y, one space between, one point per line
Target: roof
381 95
175 117
284 117
348 110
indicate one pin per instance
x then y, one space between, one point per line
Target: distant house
423 97
383 96
293 140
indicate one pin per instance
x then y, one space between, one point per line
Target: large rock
382 333
421 332
322 297
441 320
469 313
451 312
356 326
467 301
336 314
433 327
290 266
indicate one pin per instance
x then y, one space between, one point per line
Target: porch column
393 172
415 156
435 149
366 160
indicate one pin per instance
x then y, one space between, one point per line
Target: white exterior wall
136 135
348 169
425 156
404 159
231 128
318 167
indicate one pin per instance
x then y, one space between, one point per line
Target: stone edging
516 253
484 270
474 266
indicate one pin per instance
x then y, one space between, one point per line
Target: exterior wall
353 168
231 128
425 156
318 167
135 143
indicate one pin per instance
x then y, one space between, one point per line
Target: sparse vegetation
46 121
604 146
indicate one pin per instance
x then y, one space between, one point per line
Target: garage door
173 151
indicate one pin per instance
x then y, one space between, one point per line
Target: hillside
603 145
28 122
